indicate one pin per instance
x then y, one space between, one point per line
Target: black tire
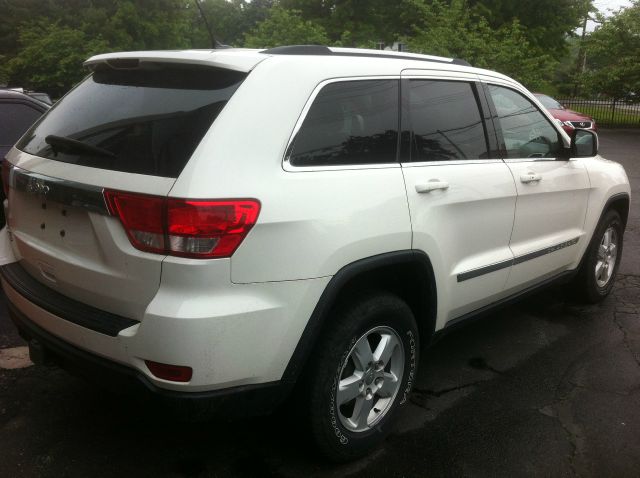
585 286
335 441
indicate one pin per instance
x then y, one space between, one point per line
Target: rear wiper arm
63 143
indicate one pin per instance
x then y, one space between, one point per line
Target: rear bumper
99 346
249 400
232 336
61 306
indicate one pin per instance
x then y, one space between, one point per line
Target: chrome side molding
472 274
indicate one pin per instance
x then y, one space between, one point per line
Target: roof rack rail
322 50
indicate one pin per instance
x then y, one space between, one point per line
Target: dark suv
17 113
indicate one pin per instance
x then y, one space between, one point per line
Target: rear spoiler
228 59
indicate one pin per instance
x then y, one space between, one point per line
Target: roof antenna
214 43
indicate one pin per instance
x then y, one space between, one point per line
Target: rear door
129 129
461 196
552 191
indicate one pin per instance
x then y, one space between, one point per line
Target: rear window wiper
69 145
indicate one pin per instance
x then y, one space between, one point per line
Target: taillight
142 218
6 171
184 227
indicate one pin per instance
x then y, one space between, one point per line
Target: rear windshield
145 120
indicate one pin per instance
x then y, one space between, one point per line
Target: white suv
214 227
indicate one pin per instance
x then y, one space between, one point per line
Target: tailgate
63 236
131 126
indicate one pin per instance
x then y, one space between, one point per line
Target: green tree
547 23
225 18
49 40
146 25
229 20
51 57
613 53
357 22
453 30
285 27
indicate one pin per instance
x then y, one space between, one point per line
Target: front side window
445 121
549 102
527 132
145 120
349 123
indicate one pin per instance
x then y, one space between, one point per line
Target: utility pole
581 62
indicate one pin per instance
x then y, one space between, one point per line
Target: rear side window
349 123
146 120
15 119
445 121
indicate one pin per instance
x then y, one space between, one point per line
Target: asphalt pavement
547 387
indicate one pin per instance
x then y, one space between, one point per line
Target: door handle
530 177
431 185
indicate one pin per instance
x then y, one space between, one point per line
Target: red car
568 119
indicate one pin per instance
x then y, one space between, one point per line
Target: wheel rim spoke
362 355
389 386
361 412
385 348
602 252
348 389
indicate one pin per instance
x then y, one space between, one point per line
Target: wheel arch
619 202
407 273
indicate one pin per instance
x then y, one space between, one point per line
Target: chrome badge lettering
37 186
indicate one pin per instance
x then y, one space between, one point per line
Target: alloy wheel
606 258
370 379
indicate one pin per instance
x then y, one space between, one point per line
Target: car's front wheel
363 369
602 259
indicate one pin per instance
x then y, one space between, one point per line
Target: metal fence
607 113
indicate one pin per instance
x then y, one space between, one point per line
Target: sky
611 4
606 6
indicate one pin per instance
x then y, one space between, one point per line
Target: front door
552 191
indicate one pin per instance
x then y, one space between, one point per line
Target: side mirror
584 143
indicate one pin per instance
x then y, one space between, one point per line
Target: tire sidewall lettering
412 367
333 418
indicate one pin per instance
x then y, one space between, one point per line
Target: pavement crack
561 410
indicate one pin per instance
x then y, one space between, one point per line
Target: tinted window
527 133
148 120
350 122
15 119
445 121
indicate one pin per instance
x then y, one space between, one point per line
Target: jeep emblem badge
37 186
